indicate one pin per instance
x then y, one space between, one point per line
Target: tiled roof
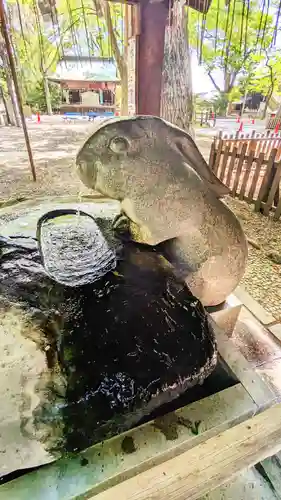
86 69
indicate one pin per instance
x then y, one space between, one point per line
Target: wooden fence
251 168
271 122
259 143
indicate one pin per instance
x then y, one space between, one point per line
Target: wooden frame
209 465
112 469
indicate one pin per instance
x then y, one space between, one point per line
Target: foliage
76 27
217 103
234 94
231 40
267 78
36 97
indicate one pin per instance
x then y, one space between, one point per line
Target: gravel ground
263 275
55 145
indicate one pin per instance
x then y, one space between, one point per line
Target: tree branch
105 8
213 81
235 73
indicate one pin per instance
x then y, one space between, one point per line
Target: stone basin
81 365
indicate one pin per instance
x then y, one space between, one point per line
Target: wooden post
150 57
5 33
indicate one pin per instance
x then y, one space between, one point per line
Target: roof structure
199 5
90 69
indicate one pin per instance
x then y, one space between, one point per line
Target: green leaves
39 44
235 39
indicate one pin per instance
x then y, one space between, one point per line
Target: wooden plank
212 155
231 166
108 463
273 189
264 317
248 167
227 318
264 185
277 212
258 389
256 175
209 465
224 163
257 139
239 169
247 485
218 156
272 469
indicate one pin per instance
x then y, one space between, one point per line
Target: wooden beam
199 5
207 466
259 390
150 54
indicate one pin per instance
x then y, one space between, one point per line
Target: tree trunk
15 119
266 104
278 113
104 6
176 99
244 102
2 96
13 97
47 95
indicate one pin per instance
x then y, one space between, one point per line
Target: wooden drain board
192 451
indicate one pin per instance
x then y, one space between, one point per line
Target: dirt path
55 144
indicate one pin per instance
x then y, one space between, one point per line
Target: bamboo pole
6 37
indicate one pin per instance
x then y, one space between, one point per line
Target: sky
200 80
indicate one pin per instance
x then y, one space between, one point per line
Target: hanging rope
260 23
247 27
230 35
99 36
55 30
242 24
59 31
198 33
40 35
217 25
21 29
264 27
72 31
86 30
203 27
273 42
226 30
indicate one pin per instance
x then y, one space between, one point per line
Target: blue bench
94 114
72 115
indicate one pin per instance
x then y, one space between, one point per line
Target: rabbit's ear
192 156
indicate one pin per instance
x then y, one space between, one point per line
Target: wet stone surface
115 349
